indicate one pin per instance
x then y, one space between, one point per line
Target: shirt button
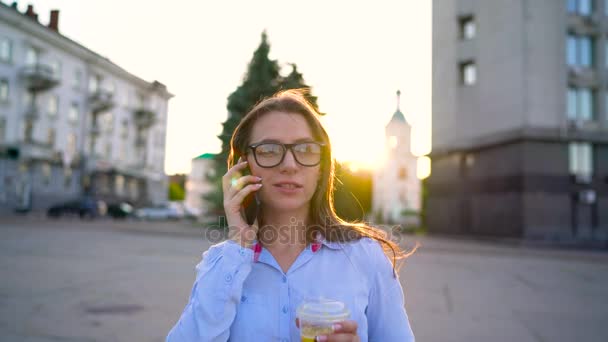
284 279
285 309
242 252
243 299
228 278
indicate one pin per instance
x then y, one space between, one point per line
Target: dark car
86 207
120 210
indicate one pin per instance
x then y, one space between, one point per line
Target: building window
119 185
580 104
67 177
77 80
110 87
31 56
580 158
28 130
51 137
2 129
56 68
402 173
104 184
73 114
468 28
133 189
122 154
28 99
392 141
141 100
53 106
580 7
468 73
108 151
124 132
4 91
94 83
108 122
46 173
6 50
71 144
579 50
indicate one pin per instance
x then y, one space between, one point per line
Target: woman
248 287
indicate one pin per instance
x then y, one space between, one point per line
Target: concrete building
197 184
396 187
520 124
72 122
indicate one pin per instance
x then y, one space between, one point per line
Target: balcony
33 150
97 164
582 77
31 113
140 142
144 118
38 77
101 100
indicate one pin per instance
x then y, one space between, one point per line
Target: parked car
120 210
184 211
159 212
85 207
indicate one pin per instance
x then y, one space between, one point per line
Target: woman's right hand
236 187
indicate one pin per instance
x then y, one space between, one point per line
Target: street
110 281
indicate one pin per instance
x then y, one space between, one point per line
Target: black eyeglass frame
286 147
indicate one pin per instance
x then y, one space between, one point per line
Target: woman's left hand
345 331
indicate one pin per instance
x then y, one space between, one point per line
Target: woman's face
285 128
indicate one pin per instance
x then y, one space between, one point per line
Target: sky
354 54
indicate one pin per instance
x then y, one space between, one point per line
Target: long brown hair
322 215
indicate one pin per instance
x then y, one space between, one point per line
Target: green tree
352 193
176 192
262 79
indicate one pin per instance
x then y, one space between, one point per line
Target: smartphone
251 204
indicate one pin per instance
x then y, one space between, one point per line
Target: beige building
396 187
197 184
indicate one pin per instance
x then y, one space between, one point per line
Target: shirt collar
314 247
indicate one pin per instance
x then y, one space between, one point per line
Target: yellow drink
317 317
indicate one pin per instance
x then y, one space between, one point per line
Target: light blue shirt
237 298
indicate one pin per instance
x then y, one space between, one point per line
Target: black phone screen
251 204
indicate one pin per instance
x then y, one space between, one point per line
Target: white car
160 212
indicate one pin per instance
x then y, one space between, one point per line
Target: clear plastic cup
317 316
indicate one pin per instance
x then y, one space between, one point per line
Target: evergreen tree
352 193
261 80
295 80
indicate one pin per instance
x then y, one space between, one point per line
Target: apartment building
72 122
520 119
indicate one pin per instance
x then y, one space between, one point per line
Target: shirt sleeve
215 294
386 314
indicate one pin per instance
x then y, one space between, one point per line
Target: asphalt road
106 281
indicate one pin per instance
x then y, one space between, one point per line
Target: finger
233 172
240 196
237 184
236 167
349 326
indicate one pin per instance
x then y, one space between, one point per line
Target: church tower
396 188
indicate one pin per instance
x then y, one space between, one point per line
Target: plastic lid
323 310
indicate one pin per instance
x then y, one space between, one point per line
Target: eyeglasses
272 154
